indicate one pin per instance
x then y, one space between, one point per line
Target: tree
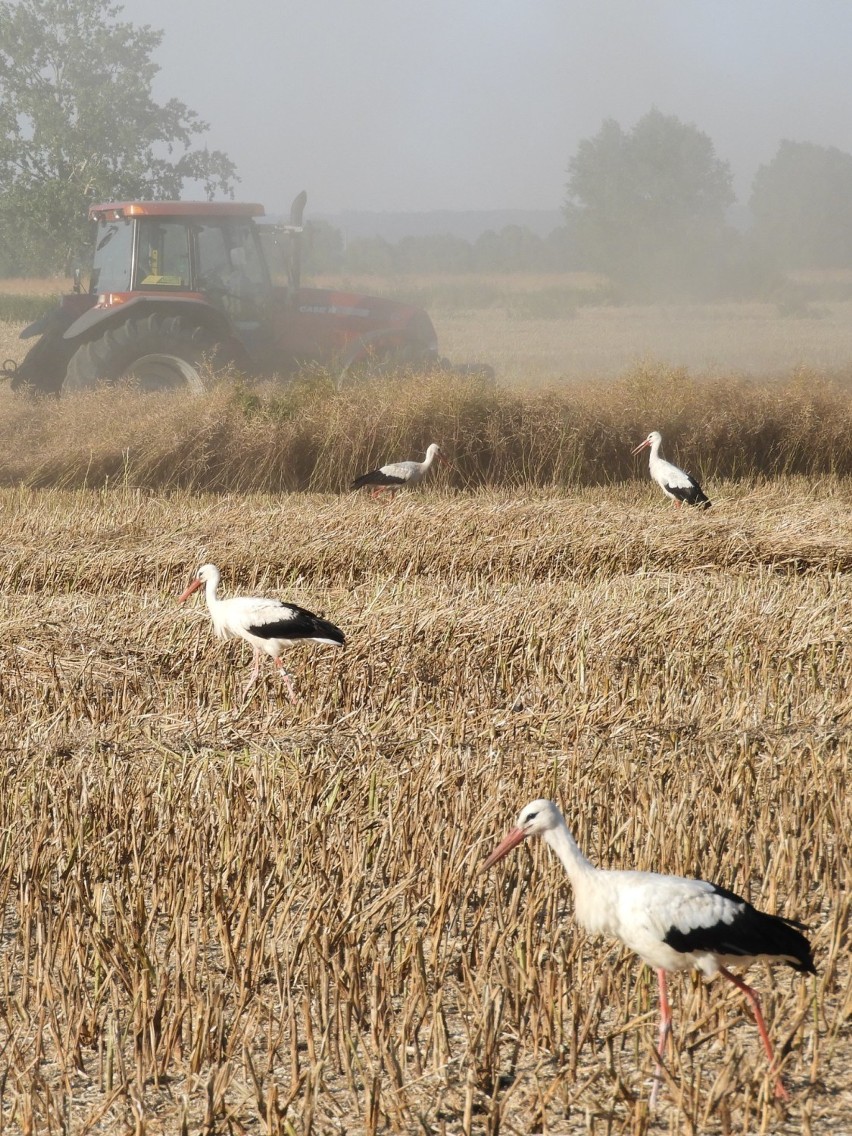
801 203
323 250
648 206
515 248
438 252
79 124
372 256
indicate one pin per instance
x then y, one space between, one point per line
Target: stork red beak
641 446
511 841
193 587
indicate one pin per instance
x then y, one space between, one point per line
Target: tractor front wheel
157 352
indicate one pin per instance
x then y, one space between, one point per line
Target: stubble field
227 913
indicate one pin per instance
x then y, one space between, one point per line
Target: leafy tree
648 206
438 252
372 256
801 203
515 248
561 251
79 124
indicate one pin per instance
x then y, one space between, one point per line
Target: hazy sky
480 104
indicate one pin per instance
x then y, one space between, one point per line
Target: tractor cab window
212 261
162 254
113 257
230 268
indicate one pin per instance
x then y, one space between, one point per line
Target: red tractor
180 287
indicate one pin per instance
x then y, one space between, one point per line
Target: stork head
207 573
436 453
536 819
653 439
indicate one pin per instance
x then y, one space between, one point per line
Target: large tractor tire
157 352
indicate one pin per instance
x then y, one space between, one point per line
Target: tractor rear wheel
158 352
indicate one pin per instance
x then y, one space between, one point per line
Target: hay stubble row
237 915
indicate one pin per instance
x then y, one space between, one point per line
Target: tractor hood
325 323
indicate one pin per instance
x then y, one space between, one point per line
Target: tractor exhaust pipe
297 210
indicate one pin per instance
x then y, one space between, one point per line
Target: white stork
672 923
675 483
268 625
399 474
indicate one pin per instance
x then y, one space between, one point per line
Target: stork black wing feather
376 477
691 494
750 933
299 624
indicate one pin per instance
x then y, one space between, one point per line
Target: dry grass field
306 436
223 913
533 330
34 285
229 914
719 340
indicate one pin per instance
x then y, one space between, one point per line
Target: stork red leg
254 671
780 1091
665 1030
287 680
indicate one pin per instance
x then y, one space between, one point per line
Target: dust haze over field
393 107
533 331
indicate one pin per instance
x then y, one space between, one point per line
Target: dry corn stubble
234 913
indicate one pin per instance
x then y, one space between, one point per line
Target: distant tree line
515 248
648 207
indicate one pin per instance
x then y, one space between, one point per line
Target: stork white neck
211 587
209 576
578 867
432 452
595 899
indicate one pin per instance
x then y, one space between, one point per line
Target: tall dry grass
309 437
230 914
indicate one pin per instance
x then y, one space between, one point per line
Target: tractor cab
167 248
